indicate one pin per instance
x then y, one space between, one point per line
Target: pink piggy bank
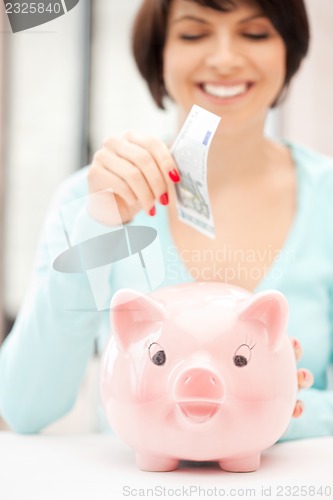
200 371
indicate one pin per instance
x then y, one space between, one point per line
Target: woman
269 200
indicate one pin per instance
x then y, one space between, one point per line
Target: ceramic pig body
200 371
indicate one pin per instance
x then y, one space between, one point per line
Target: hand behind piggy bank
200 371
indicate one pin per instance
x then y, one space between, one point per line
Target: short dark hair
289 18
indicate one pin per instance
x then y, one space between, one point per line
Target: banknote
190 150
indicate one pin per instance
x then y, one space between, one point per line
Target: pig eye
242 355
157 354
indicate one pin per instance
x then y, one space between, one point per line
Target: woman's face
231 63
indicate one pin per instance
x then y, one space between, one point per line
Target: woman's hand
304 377
137 170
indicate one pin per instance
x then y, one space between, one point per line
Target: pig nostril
213 380
187 379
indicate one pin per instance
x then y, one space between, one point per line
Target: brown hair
149 32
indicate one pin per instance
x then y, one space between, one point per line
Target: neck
240 155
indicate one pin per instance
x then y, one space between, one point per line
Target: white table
101 467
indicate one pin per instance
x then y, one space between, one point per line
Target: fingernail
164 199
295 343
300 410
174 176
152 211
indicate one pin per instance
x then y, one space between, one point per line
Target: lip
225 100
198 412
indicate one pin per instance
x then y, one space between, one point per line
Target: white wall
2 187
43 100
120 99
308 113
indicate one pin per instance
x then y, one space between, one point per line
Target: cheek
151 383
174 69
274 65
255 381
169 72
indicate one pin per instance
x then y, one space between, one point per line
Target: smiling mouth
199 411
225 91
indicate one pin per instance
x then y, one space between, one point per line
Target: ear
134 316
271 309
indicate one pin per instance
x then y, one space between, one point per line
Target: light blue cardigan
43 360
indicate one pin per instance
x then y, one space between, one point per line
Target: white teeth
221 91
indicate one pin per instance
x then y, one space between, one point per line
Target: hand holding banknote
139 170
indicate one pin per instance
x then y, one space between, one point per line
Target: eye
256 36
192 38
157 354
242 356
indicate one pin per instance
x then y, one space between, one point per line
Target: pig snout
198 394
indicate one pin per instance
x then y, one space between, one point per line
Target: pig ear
271 309
134 316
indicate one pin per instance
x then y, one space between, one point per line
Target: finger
101 178
305 378
298 410
130 175
297 348
141 158
105 205
160 153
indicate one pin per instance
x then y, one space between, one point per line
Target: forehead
220 5
239 10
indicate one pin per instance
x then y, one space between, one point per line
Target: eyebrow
190 18
203 21
254 16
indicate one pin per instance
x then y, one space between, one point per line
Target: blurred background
68 84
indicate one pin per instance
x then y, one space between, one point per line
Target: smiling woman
216 59
268 198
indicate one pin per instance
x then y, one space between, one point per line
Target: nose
199 383
224 55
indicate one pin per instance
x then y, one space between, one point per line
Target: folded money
190 151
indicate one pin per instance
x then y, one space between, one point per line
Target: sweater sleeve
44 358
317 418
